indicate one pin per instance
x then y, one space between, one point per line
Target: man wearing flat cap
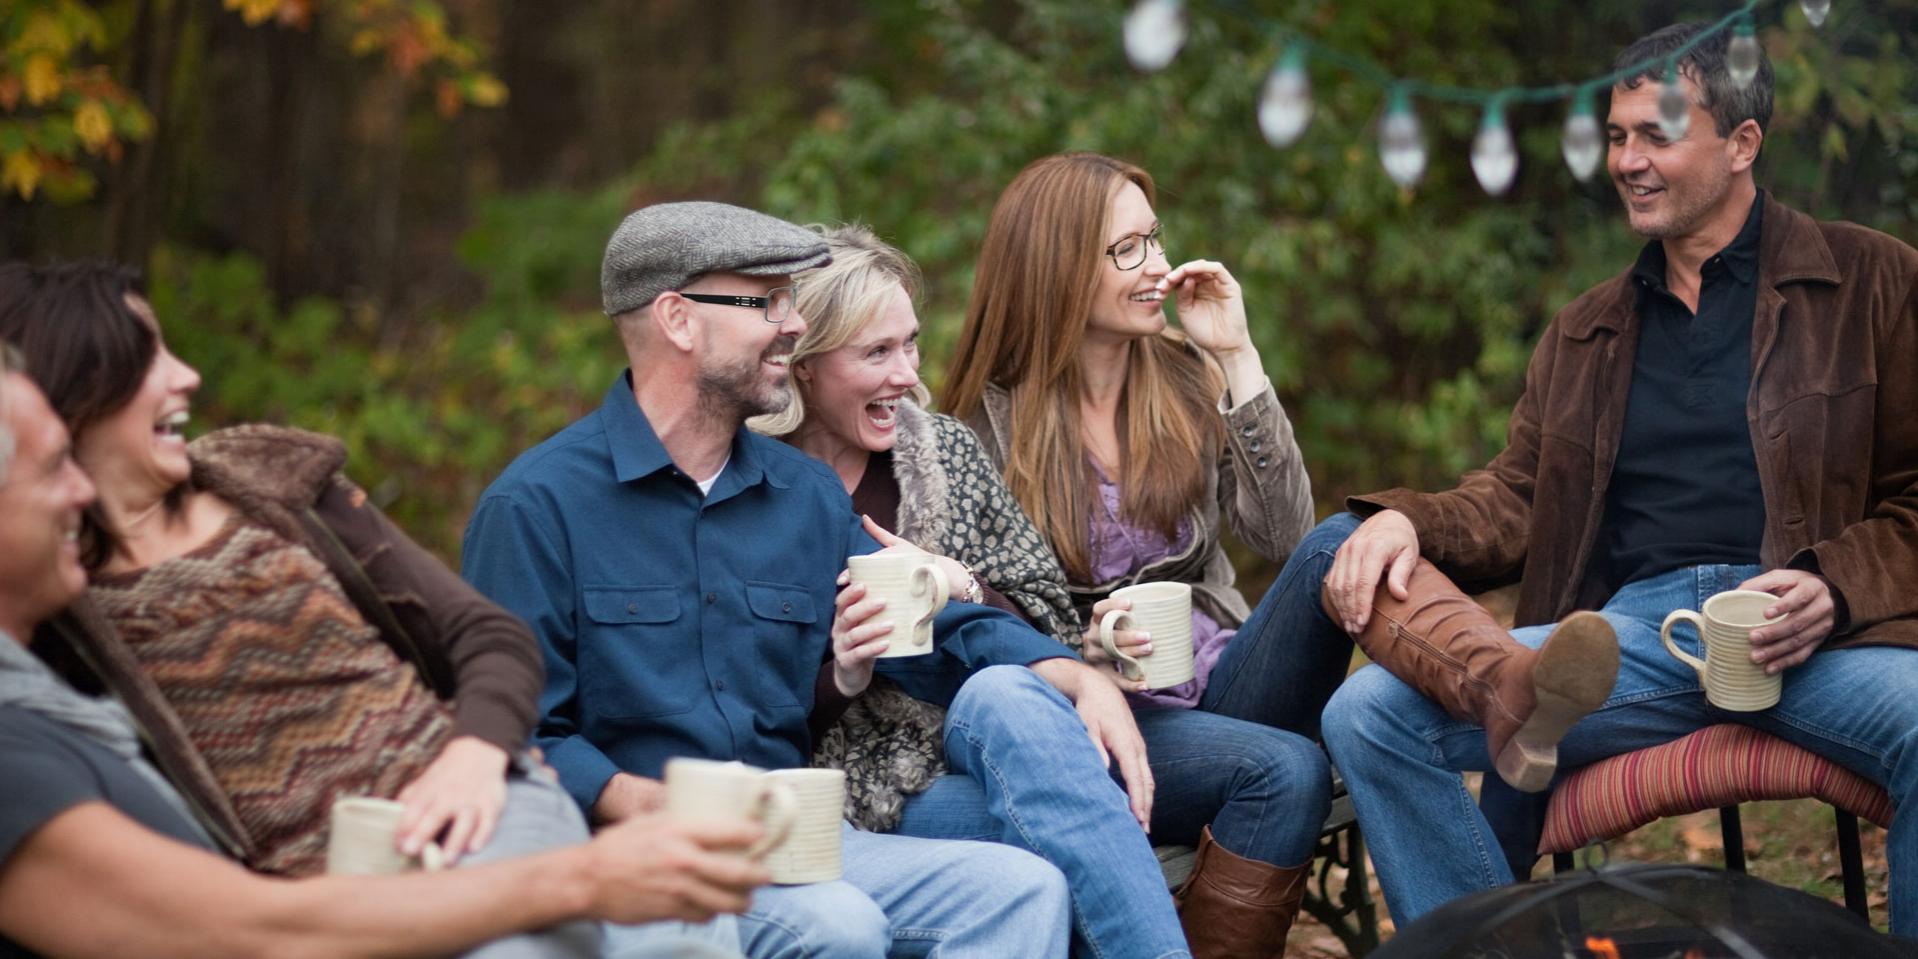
681 573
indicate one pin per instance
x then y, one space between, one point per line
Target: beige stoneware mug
1165 611
708 789
360 840
1731 680
914 589
812 852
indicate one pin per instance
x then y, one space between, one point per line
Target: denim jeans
1401 755
899 896
908 897
1025 773
538 816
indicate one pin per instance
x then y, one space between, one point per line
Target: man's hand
1386 544
856 643
1110 724
1804 600
461 792
626 795
650 868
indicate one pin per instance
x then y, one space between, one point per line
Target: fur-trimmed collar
279 464
925 503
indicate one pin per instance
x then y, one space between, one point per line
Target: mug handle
779 809
1107 624
929 579
1665 635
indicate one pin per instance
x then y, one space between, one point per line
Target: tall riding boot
1237 908
1446 646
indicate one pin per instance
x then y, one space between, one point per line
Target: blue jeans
1026 774
1401 755
902 896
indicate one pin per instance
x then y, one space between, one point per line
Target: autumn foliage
64 113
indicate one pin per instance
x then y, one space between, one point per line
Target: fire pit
1644 912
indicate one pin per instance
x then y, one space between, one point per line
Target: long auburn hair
1025 323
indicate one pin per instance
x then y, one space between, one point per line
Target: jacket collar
278 464
1791 249
637 451
925 506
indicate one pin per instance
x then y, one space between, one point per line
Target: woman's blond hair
1025 324
838 300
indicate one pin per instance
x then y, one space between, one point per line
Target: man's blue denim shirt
675 624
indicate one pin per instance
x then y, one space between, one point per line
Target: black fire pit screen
1644 912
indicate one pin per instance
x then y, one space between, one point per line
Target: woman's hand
461 793
856 642
958 578
1211 307
1132 642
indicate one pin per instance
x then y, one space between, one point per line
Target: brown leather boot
1237 908
1446 646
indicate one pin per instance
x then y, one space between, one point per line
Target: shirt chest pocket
636 658
786 641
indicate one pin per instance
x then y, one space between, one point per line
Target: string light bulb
1494 156
1154 32
1816 11
1583 145
1741 57
1674 108
1401 146
1285 107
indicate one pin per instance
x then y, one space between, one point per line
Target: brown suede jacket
1258 482
1833 412
467 649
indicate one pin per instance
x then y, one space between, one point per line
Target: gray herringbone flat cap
663 246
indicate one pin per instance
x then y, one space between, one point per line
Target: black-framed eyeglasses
777 303
1129 251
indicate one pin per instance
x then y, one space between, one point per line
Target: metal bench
1350 912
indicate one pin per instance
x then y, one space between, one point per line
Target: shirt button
1262 461
720 685
632 608
712 598
1253 446
1247 430
785 607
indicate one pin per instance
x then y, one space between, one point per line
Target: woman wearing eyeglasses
1125 439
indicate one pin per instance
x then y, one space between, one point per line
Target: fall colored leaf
44 34
10 90
20 172
486 91
93 125
42 77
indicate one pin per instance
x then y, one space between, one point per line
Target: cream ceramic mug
360 840
1165 611
1731 680
914 589
812 852
709 789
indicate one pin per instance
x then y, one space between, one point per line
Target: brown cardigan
466 648
1833 413
1258 481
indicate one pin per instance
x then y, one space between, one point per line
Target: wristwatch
975 590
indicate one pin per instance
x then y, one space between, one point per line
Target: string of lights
1155 30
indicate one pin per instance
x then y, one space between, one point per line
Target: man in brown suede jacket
1738 410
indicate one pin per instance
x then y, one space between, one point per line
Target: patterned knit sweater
283 687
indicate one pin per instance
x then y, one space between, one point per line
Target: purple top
1120 549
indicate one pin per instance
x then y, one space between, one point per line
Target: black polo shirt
1685 489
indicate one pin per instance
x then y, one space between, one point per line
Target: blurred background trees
383 218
